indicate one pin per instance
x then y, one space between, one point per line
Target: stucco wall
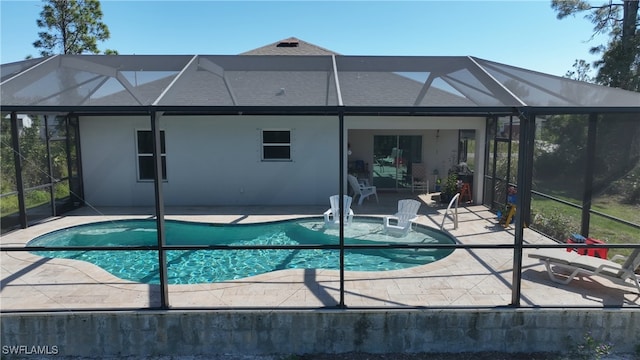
216 160
175 333
211 161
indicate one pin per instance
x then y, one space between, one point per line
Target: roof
290 46
322 82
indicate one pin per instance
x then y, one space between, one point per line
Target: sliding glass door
393 156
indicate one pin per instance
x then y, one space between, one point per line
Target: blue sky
519 33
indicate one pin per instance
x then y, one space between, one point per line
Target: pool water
207 266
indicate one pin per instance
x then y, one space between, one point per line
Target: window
145 155
276 145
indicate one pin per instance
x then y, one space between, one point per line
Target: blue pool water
206 266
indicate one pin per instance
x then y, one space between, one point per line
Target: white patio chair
360 190
332 217
400 222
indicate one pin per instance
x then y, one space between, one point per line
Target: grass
613 205
567 220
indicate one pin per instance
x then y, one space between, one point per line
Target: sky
520 33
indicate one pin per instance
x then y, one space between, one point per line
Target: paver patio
466 278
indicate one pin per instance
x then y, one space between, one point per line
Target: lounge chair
575 265
393 158
360 190
400 222
331 217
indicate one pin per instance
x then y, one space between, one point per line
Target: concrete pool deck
474 278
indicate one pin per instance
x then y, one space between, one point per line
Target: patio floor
466 278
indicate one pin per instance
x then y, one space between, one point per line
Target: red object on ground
581 251
600 253
595 252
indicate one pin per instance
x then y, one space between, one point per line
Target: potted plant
450 187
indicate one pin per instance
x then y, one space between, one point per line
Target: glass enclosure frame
339 86
55 140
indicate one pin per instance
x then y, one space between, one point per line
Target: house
272 126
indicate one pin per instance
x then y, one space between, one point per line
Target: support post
525 173
17 159
341 173
160 211
50 178
588 176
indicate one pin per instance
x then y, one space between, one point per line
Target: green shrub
37 197
8 205
555 224
61 190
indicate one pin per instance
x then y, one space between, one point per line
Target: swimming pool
206 266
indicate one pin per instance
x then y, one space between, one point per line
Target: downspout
525 173
160 211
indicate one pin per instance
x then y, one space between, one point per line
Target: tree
620 63
72 27
580 72
618 67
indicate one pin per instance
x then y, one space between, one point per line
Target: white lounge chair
360 190
393 158
400 222
331 217
575 264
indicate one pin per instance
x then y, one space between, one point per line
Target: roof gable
290 46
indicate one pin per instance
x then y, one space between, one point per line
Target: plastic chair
400 222
332 217
360 190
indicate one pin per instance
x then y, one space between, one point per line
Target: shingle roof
313 77
290 46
